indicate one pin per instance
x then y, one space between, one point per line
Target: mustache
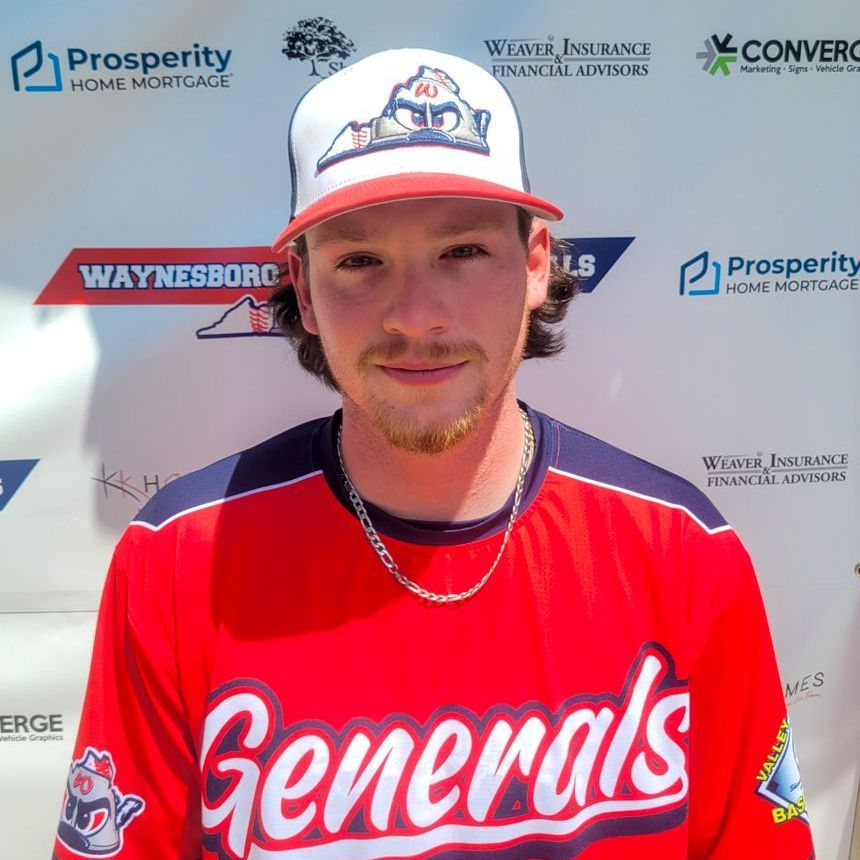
385 353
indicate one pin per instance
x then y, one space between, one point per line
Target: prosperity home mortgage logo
37 69
742 275
568 57
796 56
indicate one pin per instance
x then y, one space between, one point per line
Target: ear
538 261
301 284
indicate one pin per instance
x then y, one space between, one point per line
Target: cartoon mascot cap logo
427 109
94 812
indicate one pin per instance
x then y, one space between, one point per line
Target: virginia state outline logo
95 813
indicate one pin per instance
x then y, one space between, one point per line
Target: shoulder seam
625 491
221 501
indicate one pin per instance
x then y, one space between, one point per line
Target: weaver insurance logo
37 69
13 473
743 275
794 56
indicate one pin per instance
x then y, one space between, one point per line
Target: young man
438 623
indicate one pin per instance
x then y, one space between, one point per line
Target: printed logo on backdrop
13 473
319 42
36 69
246 318
26 728
591 259
767 469
119 483
740 275
161 276
804 689
568 57
794 56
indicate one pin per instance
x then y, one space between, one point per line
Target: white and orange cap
405 124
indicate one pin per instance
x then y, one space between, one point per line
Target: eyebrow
459 228
341 233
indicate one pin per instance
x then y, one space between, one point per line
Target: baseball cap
405 124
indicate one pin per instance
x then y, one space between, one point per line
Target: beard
391 419
422 438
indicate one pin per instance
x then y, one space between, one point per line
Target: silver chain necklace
385 555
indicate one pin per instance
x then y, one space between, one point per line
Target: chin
423 430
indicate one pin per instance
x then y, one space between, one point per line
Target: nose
417 304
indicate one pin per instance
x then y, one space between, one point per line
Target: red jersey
261 686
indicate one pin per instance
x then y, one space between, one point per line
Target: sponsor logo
740 275
760 469
163 276
319 42
247 318
31 727
458 782
81 70
30 62
568 58
805 688
95 813
718 55
779 779
118 482
591 259
13 473
777 55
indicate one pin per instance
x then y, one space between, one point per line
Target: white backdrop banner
706 157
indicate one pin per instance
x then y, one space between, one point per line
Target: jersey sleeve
746 796
132 788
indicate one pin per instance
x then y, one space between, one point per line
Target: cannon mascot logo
427 109
95 813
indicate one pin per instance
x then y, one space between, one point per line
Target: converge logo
775 55
741 275
81 70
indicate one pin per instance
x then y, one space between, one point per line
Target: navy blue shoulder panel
585 457
278 460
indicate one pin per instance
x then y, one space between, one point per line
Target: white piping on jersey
627 492
225 499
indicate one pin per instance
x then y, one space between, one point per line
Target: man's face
422 308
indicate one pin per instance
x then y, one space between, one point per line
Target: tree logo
319 41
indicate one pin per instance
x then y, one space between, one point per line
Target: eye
357 261
465 252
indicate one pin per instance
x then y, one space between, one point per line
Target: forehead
431 217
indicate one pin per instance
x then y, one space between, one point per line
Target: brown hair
542 339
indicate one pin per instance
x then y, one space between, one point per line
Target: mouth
421 373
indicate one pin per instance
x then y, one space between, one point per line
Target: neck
471 480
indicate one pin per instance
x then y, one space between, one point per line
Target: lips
421 373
